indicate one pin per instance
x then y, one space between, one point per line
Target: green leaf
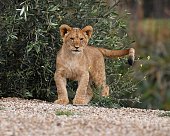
29 48
22 10
37 48
54 8
53 24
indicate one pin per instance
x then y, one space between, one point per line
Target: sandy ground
19 117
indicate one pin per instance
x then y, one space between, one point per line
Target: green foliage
30 39
123 88
165 114
64 112
2 108
154 42
99 101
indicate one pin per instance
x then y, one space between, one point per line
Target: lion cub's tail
119 53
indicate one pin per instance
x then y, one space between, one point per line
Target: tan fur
85 64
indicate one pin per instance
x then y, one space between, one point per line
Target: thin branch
116 3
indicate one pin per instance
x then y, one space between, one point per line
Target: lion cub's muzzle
77 49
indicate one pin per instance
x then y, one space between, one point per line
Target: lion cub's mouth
76 51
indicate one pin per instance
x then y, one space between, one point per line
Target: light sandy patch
20 117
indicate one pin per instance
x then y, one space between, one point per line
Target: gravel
21 117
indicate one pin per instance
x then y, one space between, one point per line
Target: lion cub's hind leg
104 87
99 78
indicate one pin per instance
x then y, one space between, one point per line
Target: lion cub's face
75 39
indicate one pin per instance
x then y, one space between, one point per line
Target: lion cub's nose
76 47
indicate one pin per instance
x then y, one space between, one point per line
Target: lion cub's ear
88 31
64 29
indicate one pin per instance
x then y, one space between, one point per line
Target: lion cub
85 64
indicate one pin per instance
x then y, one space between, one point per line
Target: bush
155 89
30 39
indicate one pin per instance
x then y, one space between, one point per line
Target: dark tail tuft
131 60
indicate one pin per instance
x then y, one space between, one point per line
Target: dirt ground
20 117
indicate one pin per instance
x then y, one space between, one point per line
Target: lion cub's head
75 39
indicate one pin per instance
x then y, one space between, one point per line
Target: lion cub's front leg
81 97
61 89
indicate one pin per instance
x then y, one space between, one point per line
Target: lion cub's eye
72 38
81 39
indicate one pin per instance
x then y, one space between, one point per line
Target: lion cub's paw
62 101
105 91
79 101
105 94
